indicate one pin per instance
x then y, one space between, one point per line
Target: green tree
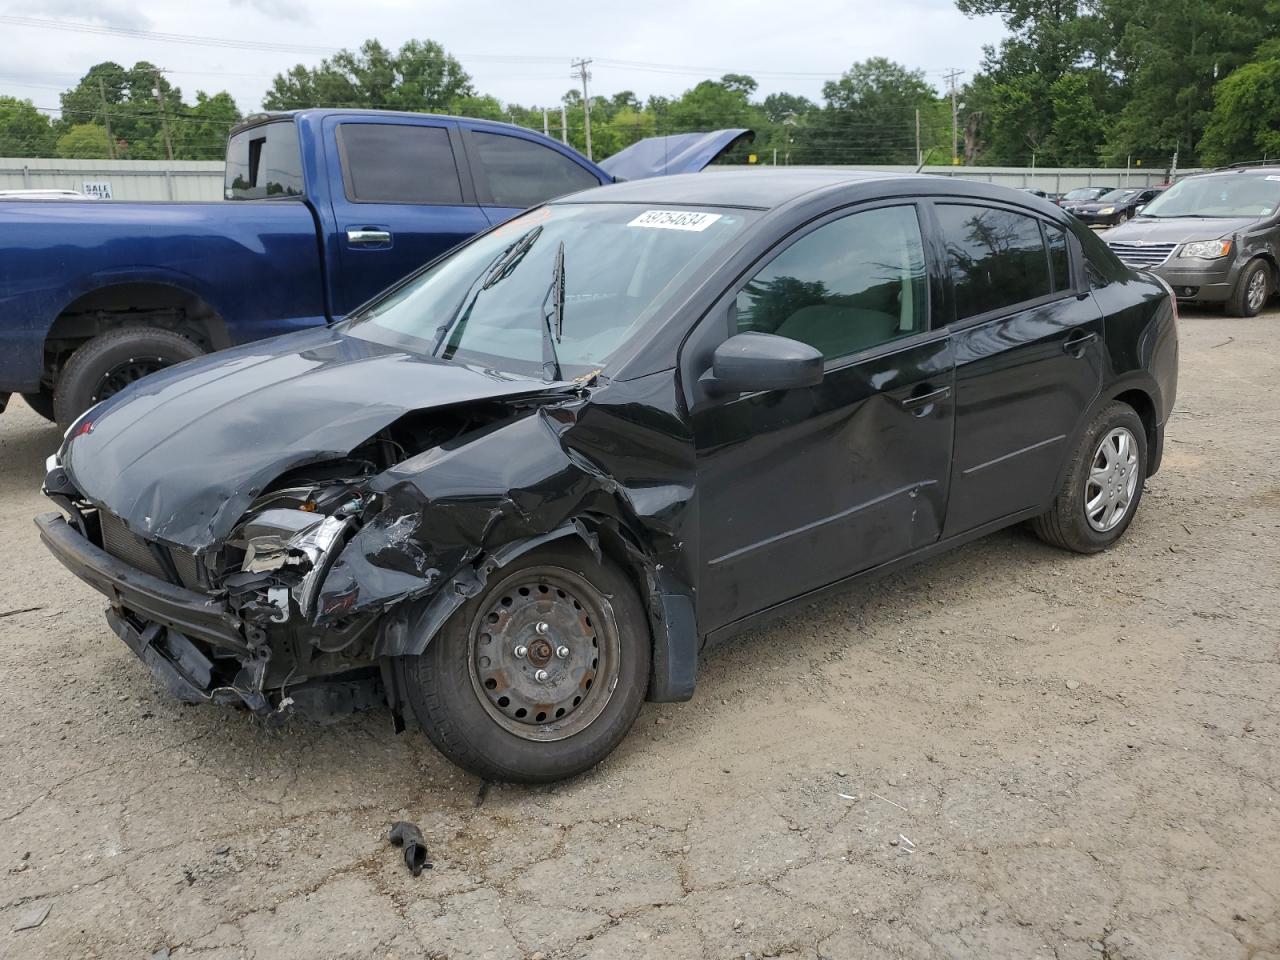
201 132
712 104
869 116
421 77
24 130
1170 53
1245 121
84 141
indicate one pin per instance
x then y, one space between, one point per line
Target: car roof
319 113
760 188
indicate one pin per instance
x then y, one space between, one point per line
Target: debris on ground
33 917
407 835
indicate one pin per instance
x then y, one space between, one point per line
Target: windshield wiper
551 334
502 267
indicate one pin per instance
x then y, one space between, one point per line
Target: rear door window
264 163
398 163
996 258
521 173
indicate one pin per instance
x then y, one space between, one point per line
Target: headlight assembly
1206 249
1105 210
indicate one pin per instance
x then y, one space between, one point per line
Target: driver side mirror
751 362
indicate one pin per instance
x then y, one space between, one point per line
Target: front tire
1252 289
540 675
1103 487
113 360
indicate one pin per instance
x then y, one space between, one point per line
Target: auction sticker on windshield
675 220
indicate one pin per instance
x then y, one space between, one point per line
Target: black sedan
1115 206
526 488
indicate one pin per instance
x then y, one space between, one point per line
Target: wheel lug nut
562 652
542 628
541 676
521 650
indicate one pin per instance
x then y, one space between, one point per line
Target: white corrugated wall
128 179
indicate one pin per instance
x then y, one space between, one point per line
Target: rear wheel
1252 289
1104 484
540 675
112 361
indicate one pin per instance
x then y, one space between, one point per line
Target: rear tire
1104 483
575 621
1252 289
113 360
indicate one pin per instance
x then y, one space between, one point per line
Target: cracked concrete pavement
1006 752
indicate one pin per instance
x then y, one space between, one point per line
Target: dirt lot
1007 752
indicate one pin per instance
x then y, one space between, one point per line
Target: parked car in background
1214 237
331 206
1080 195
1115 206
525 488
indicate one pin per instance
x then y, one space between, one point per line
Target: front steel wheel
540 675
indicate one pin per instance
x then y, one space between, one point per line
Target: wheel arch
1140 391
160 303
409 629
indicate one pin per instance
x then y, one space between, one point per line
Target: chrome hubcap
1257 289
544 654
1113 480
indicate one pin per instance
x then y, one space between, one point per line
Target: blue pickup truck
328 208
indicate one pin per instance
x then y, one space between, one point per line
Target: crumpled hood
1176 229
671 154
181 455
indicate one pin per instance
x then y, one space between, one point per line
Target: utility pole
581 67
546 131
106 121
164 119
917 136
564 124
955 115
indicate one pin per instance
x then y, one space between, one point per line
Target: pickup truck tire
113 360
41 403
541 674
1252 289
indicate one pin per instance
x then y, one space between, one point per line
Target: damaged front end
338 566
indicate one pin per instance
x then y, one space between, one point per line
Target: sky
517 51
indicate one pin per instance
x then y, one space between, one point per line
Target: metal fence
189 180
202 179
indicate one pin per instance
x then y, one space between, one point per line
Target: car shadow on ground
23 450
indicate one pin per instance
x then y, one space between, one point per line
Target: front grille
130 548
1142 254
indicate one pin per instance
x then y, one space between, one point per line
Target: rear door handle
1076 343
369 238
918 401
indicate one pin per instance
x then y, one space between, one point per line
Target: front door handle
1076 343
368 238
919 401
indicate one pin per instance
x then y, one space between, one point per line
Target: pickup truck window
522 173
398 163
264 163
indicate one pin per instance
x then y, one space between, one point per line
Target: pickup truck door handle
1076 343
918 401
368 238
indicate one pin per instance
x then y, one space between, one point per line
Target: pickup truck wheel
41 402
540 675
110 362
1104 484
1253 287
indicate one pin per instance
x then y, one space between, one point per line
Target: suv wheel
540 675
1104 484
1253 287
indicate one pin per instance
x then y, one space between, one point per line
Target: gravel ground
1006 752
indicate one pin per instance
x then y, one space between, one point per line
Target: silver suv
1213 237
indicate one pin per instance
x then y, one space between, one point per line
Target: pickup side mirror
749 362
